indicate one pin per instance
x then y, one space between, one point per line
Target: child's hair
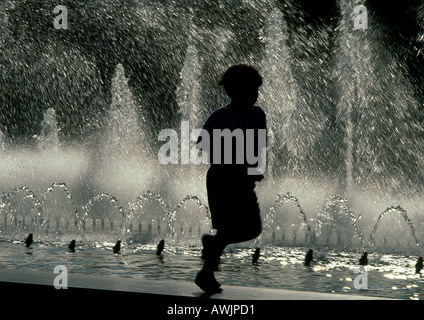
240 77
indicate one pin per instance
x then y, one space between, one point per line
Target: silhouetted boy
231 196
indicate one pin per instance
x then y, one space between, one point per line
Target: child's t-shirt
241 141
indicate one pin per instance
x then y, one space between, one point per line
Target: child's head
241 82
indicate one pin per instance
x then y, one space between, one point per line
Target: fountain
2 142
382 143
345 137
400 234
278 99
49 136
288 228
338 225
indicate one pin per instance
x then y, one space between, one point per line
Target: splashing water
343 112
288 225
338 225
401 234
278 98
49 137
2 142
188 92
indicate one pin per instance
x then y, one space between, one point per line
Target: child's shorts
232 200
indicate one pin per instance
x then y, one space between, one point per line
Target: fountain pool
389 275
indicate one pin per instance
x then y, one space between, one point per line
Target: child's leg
212 250
214 245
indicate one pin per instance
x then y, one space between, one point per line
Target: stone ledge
36 281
